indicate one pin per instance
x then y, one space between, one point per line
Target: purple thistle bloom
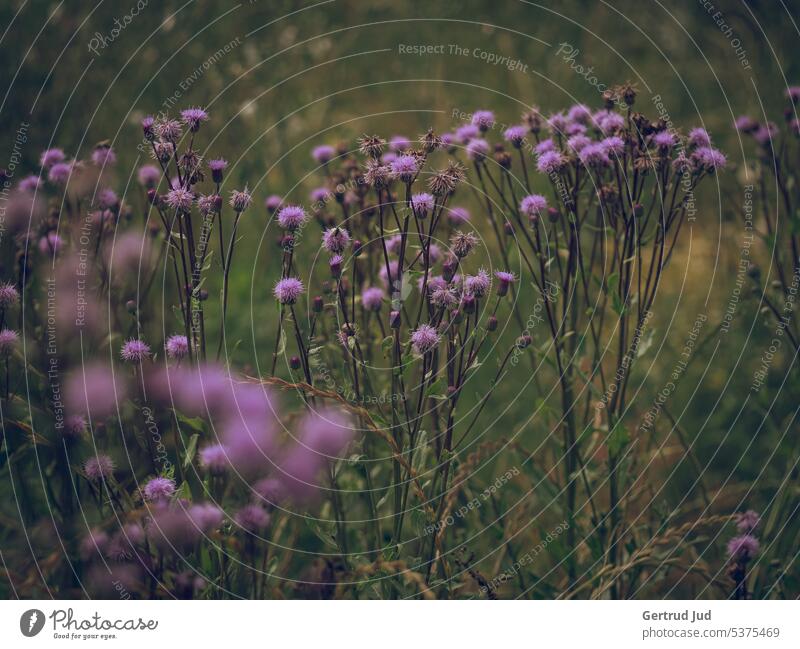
50 244
319 195
478 285
594 156
252 518
193 117
578 142
466 133
459 215
148 128
149 175
533 206
743 548
422 204
240 200
177 346
292 217
273 202
399 143
336 262
506 279
59 173
745 124
557 123
180 199
98 467
323 154
574 128
699 137
404 168
448 140
215 459
545 146
325 431
107 199
515 135
579 113
747 522
288 290
709 158
682 164
614 145
443 298
664 140
206 516
30 184
483 119
210 204
764 134
8 340
51 157
793 93
217 167
135 351
435 283
611 123
424 339
9 295
169 130
75 426
477 149
372 298
463 243
104 156
383 274
393 244
159 489
335 240
550 162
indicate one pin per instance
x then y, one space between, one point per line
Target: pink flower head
9 295
422 204
594 156
515 135
30 184
148 176
50 244
168 129
59 173
399 143
98 467
51 157
104 156
404 168
177 346
325 431
578 142
292 217
550 162
699 137
180 199
159 489
252 518
664 140
458 215
8 340
215 459
323 154
240 200
193 117
75 426
545 146
335 240
206 516
135 351
483 119
477 149
478 285
557 123
372 298
93 387
579 113
747 522
533 206
273 202
466 133
288 290
505 280
709 158
743 548
424 339
463 243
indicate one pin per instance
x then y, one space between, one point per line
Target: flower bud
469 304
491 323
318 304
524 341
294 362
553 214
130 305
394 319
509 229
357 247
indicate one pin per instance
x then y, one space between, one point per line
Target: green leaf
191 449
618 438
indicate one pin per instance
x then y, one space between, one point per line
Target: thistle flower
505 280
533 120
8 340
393 269
610 122
424 339
745 124
463 243
430 141
533 206
107 199
422 204
335 263
613 145
404 168
206 516
578 142
793 93
210 204
288 290
51 157
399 143
545 146
699 137
709 159
483 119
377 174
372 298
515 135
9 295
292 217
743 548
180 200
98 467
466 133
323 154
371 145
458 215
240 200
104 156
764 134
59 173
135 351
217 167
148 128
682 164
177 346
30 184
168 130
747 522
579 113
252 518
448 141
273 202
557 123
214 459
50 244
664 140
335 240
193 117
74 426
149 176
550 162
159 489
594 156
443 298
162 151
478 285
477 149
574 128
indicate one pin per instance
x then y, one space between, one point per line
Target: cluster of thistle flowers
225 497
742 549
